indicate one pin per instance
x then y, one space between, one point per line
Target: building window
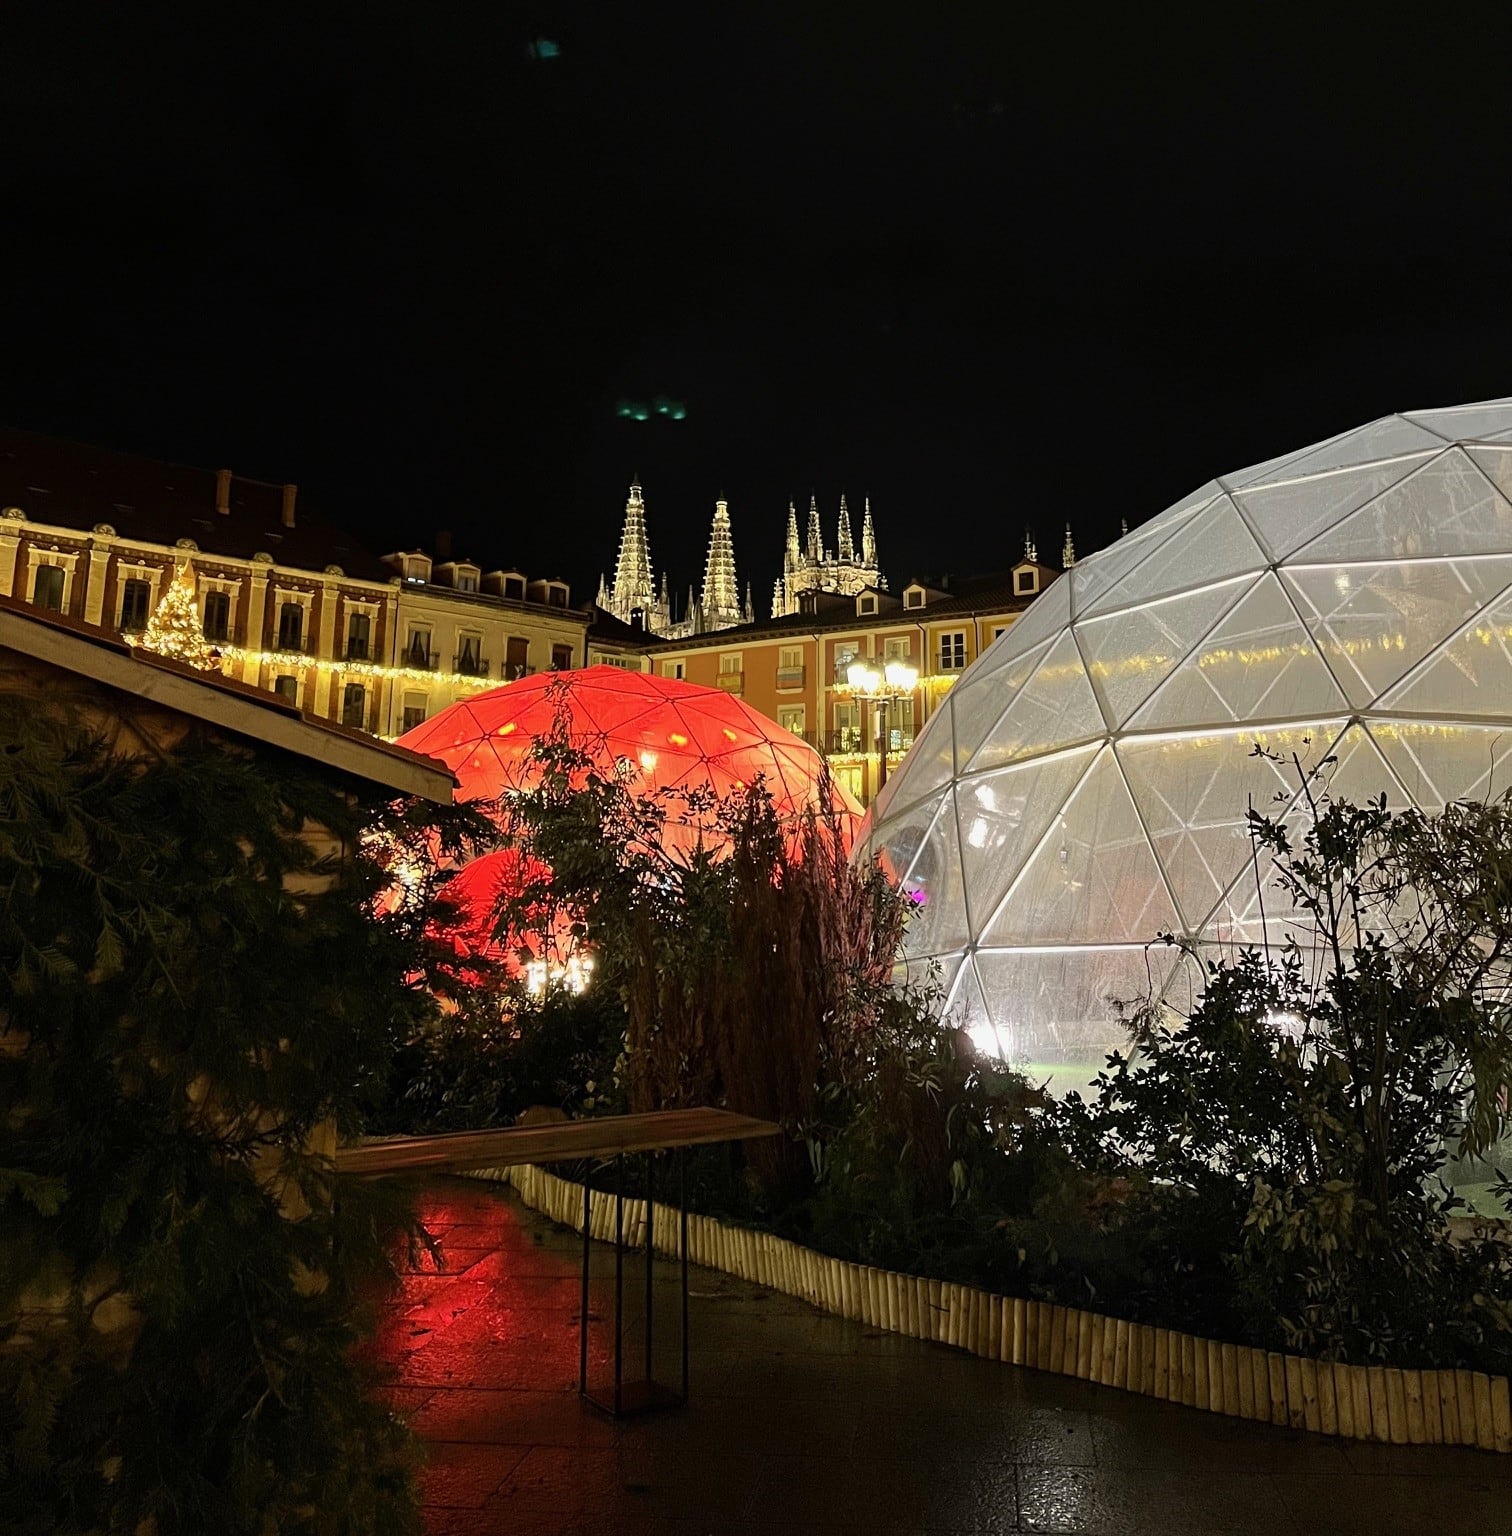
677 669
866 605
417 651
414 710
847 727
516 657
1025 581
47 587
514 586
953 650
561 658
999 630
136 604
359 637
417 567
791 718
896 649
217 622
728 663
556 596
789 658
467 581
470 656
913 597
287 688
354 706
291 626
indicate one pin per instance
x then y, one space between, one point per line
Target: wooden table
613 1136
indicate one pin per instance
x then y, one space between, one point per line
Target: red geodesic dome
671 734
661 732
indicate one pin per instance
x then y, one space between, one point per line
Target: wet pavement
804 1422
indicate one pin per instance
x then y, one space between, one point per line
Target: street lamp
895 681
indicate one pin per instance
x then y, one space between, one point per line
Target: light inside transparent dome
1084 787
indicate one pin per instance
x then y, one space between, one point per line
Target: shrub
1284 1147
191 995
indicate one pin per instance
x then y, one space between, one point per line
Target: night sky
991 276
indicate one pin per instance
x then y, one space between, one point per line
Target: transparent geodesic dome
1084 787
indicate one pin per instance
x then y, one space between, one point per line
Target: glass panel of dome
1194 502
967 1009
1194 793
1054 708
1130 654
1270 469
1374 623
1463 421
1044 618
1391 437
926 847
1259 663
979 701
1093 578
1289 513
1439 763
931 758
1002 816
1093 877
1361 773
1445 507
1496 465
1057 1010
1214 545
1471 674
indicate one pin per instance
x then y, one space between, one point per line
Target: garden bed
1381 1403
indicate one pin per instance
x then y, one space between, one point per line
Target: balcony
466 664
513 671
419 659
731 682
789 677
357 650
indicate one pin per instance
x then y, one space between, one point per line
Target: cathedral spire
1068 551
815 548
1031 554
721 591
749 616
868 539
793 553
846 552
633 591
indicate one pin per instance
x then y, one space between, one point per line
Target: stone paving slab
807 1423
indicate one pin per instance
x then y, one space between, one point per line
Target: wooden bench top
459 1151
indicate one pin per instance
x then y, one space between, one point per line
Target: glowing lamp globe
1084 787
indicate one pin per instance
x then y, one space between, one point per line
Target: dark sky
990 274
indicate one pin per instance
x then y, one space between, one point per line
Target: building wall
799 679
319 671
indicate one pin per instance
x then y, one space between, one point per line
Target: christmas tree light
175 629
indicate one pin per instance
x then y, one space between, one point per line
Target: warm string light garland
370 671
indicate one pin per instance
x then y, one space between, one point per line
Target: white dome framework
1084 787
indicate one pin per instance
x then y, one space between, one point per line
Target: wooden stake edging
1388 1404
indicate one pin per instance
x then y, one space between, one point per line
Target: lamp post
895 681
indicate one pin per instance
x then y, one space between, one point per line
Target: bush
185 1008
1284 1147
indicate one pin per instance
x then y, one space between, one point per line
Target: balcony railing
514 670
357 650
421 660
465 664
731 682
790 677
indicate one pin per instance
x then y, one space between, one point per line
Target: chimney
223 492
290 492
443 545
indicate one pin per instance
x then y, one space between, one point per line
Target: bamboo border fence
1383 1403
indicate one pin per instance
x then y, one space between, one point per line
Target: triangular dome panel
1466 421
1042 620
979 702
1447 506
1258 663
1091 580
1389 438
1213 546
1130 654
1054 708
1470 674
1093 877
1289 513
932 876
1195 793
1002 817
1374 623
1440 763
931 758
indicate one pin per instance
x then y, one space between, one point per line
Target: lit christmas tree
175 629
